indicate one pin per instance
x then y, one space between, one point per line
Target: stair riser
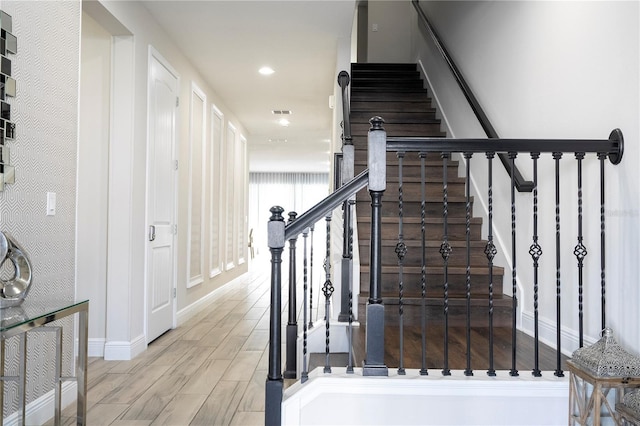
458 256
395 82
435 285
375 106
416 130
435 315
394 117
410 170
382 74
413 208
414 231
412 191
388 97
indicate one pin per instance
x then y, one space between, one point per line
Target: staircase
395 92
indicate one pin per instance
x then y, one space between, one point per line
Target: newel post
274 384
377 161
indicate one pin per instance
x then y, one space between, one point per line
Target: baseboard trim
547 334
96 347
123 350
184 314
42 409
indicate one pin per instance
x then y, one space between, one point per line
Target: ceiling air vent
281 112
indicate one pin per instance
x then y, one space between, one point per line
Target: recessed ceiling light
266 71
283 122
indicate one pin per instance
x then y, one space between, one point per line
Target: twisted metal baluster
557 156
490 251
311 278
327 290
535 251
350 361
514 287
580 250
305 279
602 156
445 252
401 251
423 271
467 155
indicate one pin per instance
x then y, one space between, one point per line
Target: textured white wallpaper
45 111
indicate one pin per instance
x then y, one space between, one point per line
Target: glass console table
33 315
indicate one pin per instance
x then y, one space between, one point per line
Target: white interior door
161 189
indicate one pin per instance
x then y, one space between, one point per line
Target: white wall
553 70
391 40
93 172
45 110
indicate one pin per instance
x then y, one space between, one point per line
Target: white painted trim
431 399
95 347
125 351
547 334
241 207
197 93
40 411
215 186
231 213
199 305
434 96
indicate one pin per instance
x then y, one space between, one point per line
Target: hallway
208 371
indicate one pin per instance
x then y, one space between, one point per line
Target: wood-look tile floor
209 371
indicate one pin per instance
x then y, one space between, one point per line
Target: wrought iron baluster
514 285
445 252
327 290
401 251
602 156
350 331
467 155
305 373
535 251
580 251
490 251
292 325
311 277
557 156
423 271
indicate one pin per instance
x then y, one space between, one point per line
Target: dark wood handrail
521 184
613 147
327 205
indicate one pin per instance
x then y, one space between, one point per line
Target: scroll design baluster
327 290
580 251
536 252
490 251
445 252
423 270
556 157
514 283
401 252
467 155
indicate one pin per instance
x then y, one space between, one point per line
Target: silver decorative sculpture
13 291
606 358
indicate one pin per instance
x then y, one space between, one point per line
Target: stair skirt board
427 400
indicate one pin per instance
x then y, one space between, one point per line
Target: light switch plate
51 203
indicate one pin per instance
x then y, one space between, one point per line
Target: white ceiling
228 41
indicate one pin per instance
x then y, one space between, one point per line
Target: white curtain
291 191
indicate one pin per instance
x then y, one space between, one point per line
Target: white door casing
161 196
